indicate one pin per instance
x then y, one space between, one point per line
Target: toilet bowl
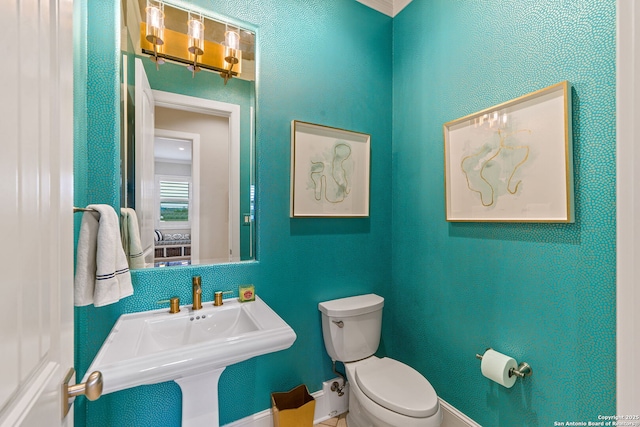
383 392
387 393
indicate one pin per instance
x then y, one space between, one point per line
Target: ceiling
388 7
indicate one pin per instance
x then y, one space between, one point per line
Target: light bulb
232 39
155 23
195 30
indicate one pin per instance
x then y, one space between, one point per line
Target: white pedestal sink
191 348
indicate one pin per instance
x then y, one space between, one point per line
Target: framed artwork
512 162
329 171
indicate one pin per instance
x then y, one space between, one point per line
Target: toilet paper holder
523 369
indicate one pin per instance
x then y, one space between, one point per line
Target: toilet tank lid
352 306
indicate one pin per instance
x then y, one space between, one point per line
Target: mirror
187 121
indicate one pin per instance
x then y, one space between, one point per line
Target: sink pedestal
200 399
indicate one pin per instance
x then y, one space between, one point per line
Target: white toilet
382 392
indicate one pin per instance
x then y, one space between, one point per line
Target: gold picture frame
330 171
512 162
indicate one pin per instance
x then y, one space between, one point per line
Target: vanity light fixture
231 47
195 31
163 38
155 28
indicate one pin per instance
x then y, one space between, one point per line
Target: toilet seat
397 387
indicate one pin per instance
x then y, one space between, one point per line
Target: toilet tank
351 326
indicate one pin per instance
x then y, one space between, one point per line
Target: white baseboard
329 405
261 419
454 418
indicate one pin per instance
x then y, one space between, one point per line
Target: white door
628 211
145 125
36 189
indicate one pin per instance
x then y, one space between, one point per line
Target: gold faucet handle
174 304
217 297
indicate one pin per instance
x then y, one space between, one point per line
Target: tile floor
339 421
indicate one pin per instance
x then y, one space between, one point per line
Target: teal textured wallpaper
320 61
96 148
542 293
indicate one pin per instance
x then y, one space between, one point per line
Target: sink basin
156 346
194 328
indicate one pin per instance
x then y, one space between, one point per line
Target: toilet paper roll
495 366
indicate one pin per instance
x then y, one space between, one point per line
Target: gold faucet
197 293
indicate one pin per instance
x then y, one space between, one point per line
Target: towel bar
75 210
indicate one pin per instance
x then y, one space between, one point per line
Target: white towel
131 238
102 275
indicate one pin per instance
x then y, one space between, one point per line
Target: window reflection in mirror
188 144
